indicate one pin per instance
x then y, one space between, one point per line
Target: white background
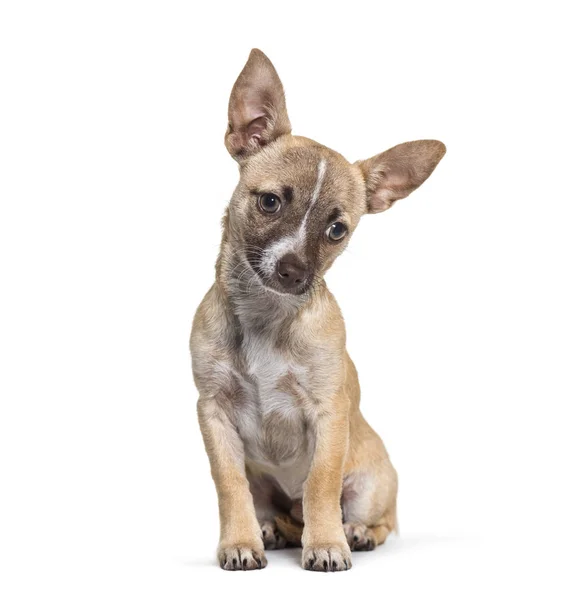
461 303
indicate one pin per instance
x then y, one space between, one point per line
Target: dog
293 460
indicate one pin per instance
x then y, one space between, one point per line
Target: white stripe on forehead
319 180
292 243
315 194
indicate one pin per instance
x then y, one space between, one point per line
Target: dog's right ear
257 110
396 173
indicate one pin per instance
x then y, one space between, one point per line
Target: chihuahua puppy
292 458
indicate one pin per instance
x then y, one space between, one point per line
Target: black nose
291 272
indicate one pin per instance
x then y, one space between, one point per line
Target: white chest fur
270 418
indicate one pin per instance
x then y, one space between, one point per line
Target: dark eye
269 203
336 231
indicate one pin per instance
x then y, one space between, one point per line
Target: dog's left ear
396 173
257 110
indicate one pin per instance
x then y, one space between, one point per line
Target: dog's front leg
241 546
324 544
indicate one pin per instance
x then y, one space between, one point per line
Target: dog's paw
241 558
272 538
359 537
335 557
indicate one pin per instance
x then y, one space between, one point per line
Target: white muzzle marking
295 242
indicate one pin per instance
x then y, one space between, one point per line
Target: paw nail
325 565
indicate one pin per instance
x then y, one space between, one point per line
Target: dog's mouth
272 282
276 289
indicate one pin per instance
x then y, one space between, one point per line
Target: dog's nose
291 272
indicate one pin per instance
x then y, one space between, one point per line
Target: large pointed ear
257 110
396 173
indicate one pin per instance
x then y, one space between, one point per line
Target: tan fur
291 455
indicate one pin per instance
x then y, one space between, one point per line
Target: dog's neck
256 307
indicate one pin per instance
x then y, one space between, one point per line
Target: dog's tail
290 529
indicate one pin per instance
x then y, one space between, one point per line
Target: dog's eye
336 231
269 203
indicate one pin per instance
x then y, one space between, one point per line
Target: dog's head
298 203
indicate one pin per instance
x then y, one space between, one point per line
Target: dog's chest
271 414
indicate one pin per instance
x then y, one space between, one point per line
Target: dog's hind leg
363 530
271 506
369 495
361 537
